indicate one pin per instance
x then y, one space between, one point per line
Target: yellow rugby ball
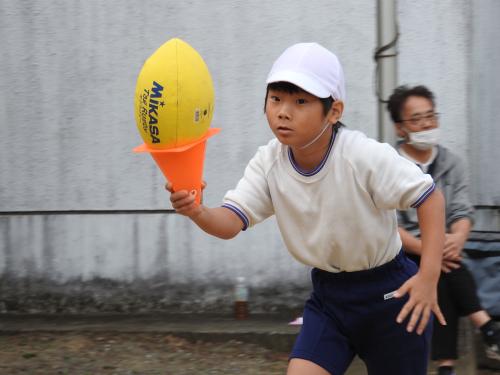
174 97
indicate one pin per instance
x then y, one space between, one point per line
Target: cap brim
301 80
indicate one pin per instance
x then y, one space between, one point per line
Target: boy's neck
309 158
421 156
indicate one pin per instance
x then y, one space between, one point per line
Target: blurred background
85 224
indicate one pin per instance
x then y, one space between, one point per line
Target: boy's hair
290 88
401 94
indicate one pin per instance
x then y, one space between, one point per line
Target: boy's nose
284 113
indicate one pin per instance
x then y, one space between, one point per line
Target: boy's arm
220 222
422 287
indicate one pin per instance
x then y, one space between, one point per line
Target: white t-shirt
340 216
423 166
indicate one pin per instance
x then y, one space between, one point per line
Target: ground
96 353
120 354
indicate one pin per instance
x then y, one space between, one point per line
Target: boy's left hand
423 301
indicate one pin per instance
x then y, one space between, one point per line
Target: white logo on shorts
389 295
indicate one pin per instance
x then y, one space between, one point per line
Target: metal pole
385 56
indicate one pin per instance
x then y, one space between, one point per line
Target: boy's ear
335 113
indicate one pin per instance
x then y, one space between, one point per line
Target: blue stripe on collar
320 165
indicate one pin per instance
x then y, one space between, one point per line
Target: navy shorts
350 313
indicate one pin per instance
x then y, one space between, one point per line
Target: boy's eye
301 101
274 98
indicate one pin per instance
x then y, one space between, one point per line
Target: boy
416 122
334 193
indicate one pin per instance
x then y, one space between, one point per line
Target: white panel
484 132
128 248
434 50
68 72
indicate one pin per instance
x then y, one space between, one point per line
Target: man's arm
455 240
423 286
411 244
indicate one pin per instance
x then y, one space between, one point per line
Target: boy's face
295 118
418 114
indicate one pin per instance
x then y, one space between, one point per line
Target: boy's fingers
178 195
405 311
168 186
439 315
181 201
414 318
186 209
403 289
180 205
426 314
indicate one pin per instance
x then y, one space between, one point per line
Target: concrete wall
483 106
67 77
451 46
68 74
435 48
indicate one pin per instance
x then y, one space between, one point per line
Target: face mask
424 140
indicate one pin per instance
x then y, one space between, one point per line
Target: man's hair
401 94
290 88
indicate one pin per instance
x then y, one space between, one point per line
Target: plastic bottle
241 299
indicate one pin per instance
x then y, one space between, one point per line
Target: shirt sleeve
392 181
458 204
251 199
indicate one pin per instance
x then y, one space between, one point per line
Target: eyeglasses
421 120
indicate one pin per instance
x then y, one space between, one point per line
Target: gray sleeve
402 222
408 221
458 204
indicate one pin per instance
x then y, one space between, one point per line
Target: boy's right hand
184 202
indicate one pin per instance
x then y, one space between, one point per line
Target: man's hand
423 301
453 245
452 253
449 265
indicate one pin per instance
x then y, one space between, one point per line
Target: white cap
311 67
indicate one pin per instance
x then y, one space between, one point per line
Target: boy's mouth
283 130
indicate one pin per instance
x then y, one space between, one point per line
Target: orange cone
182 166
